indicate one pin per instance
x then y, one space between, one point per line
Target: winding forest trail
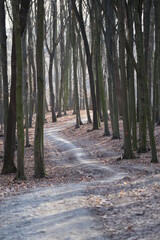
59 212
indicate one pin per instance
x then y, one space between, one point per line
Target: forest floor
122 196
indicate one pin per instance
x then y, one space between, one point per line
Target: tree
19 106
156 87
130 75
39 141
79 16
51 51
82 60
25 87
114 89
128 152
3 44
99 70
144 83
9 166
32 69
75 57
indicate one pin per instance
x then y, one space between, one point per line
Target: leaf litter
128 209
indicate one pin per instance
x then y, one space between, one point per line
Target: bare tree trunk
9 166
84 80
128 153
75 60
33 97
100 73
130 77
25 87
144 82
79 17
19 92
3 44
39 141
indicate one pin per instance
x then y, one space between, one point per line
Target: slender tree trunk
30 92
61 91
25 87
52 98
128 153
75 59
84 81
19 92
79 17
9 166
33 68
57 79
39 141
1 99
100 74
67 65
112 61
130 77
140 60
144 82
51 52
3 44
56 61
156 87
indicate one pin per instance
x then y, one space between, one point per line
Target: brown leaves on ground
105 149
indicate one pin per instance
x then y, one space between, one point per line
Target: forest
75 73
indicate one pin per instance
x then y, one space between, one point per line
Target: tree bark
128 153
79 17
3 44
9 166
38 141
130 76
19 96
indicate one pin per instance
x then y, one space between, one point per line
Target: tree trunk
38 141
3 44
100 74
1 98
33 97
140 60
19 99
144 82
130 77
75 60
25 88
156 87
79 17
84 80
128 153
52 98
113 79
9 166
61 91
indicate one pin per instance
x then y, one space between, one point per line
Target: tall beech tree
79 16
9 166
3 45
19 105
130 75
39 141
75 60
128 152
144 83
51 50
99 70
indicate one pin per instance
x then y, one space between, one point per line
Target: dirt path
58 212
